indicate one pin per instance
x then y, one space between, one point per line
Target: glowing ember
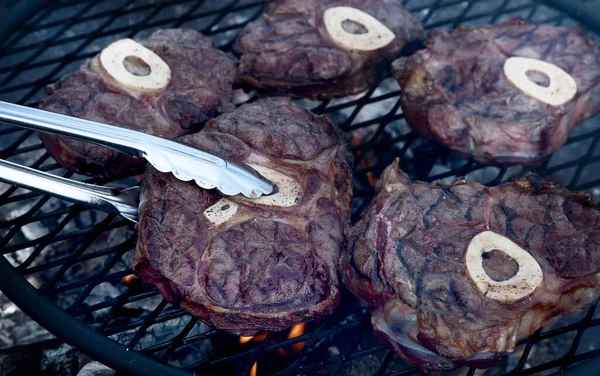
367 160
370 177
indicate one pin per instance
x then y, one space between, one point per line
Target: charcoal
96 369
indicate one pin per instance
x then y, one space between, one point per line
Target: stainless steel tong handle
107 199
185 162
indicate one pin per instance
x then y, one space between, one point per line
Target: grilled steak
289 50
264 264
456 275
456 92
200 87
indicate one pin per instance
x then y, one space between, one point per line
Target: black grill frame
421 159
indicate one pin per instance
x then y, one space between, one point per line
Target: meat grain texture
289 51
265 268
200 88
406 262
455 91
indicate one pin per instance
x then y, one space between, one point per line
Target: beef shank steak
457 274
241 264
168 85
324 48
490 93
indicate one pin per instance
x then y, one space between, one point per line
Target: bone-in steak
200 87
458 274
252 264
456 91
290 50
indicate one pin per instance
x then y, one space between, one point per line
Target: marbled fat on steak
289 50
200 88
455 91
245 265
432 263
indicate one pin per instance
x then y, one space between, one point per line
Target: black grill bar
39 247
22 11
77 333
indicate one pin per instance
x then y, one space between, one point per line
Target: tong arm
185 162
107 199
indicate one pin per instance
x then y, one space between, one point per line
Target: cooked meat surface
456 275
199 89
289 50
245 265
456 92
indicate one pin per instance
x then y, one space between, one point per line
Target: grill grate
79 258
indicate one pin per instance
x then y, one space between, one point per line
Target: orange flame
245 339
296 331
129 280
255 338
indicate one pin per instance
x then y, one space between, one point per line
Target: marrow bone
288 192
561 89
114 60
377 34
221 212
522 284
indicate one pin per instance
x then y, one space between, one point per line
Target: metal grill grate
79 258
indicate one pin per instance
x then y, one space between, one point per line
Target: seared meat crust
406 261
455 91
288 51
265 268
200 89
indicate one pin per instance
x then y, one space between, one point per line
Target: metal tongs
108 199
185 162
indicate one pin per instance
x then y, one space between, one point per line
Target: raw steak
289 50
200 88
456 93
246 265
429 261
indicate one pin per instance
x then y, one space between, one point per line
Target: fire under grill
79 259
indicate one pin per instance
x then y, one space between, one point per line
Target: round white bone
562 86
112 60
222 211
288 193
376 37
528 277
